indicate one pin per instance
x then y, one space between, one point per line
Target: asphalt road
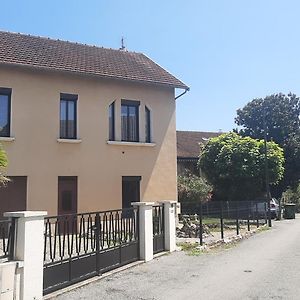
265 266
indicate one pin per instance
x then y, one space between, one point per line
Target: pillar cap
168 201
142 203
25 214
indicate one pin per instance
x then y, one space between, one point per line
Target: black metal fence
7 232
158 228
221 216
79 246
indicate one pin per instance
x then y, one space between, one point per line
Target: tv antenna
122 44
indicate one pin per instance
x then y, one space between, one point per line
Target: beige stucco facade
36 153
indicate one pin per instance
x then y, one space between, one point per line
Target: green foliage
3 165
235 166
282 126
292 160
192 188
292 195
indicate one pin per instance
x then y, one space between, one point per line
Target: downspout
186 90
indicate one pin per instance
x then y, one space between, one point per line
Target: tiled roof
32 51
188 142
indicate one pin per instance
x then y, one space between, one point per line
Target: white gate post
29 248
170 224
145 229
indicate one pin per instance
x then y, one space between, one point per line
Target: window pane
111 117
71 120
4 115
67 119
124 127
63 118
129 121
132 123
147 125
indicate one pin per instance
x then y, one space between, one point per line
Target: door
130 190
13 195
67 195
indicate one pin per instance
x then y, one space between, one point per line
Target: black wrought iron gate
158 229
80 246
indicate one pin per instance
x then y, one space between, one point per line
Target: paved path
266 266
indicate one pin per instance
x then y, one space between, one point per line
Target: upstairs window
68 116
5 106
130 120
111 121
147 125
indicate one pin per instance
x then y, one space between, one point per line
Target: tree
235 166
281 115
3 165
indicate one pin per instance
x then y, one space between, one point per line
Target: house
85 128
188 149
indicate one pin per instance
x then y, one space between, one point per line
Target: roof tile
27 50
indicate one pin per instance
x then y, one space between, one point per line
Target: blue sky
227 51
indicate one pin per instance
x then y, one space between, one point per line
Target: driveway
266 266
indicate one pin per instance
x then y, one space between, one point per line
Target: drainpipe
186 90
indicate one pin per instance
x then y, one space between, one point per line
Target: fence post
170 224
97 233
201 223
222 221
237 219
256 209
248 220
29 248
266 213
145 229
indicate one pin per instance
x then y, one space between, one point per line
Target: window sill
141 144
6 139
69 141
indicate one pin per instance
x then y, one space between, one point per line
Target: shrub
235 166
292 195
3 165
192 188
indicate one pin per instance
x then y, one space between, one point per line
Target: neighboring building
85 128
188 149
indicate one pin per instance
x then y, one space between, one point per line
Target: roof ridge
195 131
67 41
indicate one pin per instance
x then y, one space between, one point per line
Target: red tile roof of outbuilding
188 142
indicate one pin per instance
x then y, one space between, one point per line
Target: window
68 122
5 104
130 120
147 125
111 120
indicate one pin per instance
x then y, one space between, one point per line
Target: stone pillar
170 224
29 248
145 229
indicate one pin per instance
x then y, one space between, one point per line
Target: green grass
263 228
187 246
191 249
212 221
